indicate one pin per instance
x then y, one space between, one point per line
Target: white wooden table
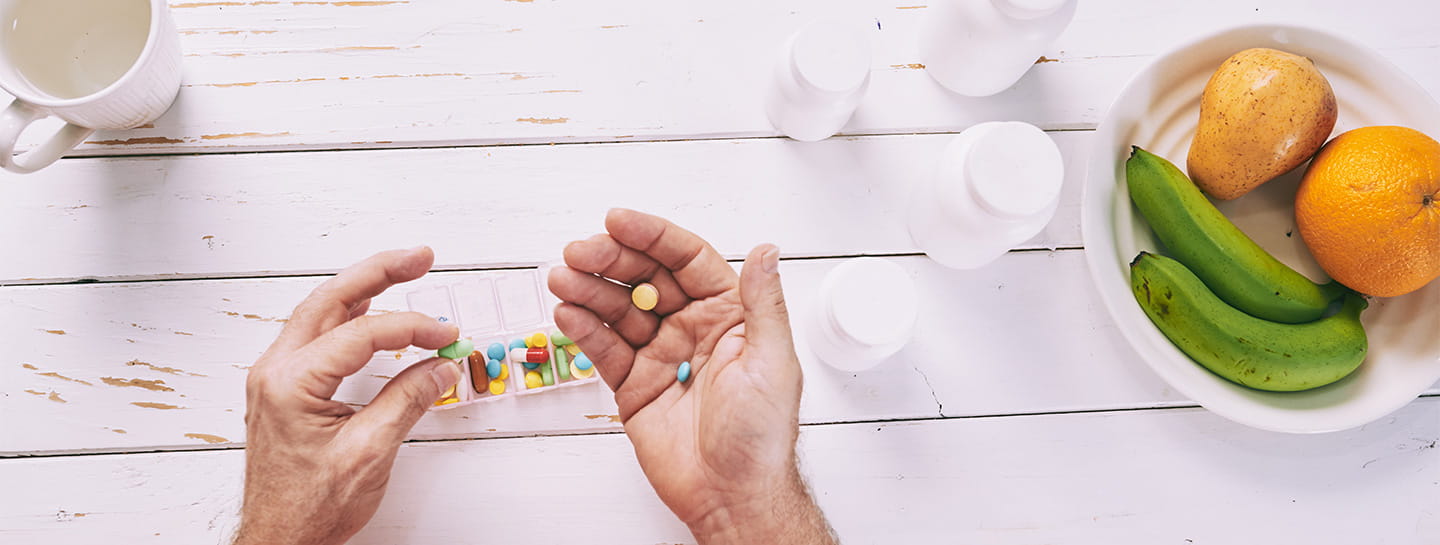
144 276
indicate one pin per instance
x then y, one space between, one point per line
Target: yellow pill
645 296
581 373
497 386
538 340
448 393
534 380
448 401
573 349
504 372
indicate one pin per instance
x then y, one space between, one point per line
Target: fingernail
445 375
417 249
771 260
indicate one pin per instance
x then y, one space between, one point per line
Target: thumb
767 322
403 400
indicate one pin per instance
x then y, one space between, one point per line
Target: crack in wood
53 374
153 405
156 385
211 439
163 369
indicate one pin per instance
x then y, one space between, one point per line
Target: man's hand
719 449
315 469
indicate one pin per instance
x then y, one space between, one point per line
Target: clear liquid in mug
74 48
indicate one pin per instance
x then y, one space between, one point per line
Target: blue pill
492 368
683 373
531 365
582 362
518 343
496 351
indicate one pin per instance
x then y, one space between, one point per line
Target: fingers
405 398
344 350
608 300
611 355
603 255
697 267
767 322
347 294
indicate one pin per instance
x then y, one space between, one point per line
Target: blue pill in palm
496 351
683 373
582 362
492 368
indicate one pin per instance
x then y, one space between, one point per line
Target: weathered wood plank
269 75
263 214
99 367
1159 476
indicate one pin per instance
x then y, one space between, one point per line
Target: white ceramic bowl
1159 110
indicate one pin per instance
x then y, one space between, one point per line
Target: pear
1263 113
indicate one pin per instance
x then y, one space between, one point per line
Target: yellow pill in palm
497 386
645 296
534 380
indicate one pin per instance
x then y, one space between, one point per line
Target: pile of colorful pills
570 362
487 370
453 351
508 348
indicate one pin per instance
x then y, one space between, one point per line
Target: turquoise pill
683 373
492 368
582 362
531 365
518 343
496 351
459 349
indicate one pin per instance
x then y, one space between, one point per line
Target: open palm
728 434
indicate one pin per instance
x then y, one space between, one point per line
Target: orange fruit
1369 210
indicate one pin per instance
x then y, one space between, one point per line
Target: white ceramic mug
97 64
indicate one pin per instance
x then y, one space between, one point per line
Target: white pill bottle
997 185
819 79
981 47
865 313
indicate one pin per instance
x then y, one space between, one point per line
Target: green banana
1233 266
1242 348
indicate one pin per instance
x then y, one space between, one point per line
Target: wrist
781 516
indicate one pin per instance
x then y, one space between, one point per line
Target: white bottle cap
868 308
831 56
1014 170
1028 9
998 185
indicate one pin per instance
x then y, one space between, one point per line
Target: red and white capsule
530 355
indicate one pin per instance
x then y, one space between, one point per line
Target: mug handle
14 120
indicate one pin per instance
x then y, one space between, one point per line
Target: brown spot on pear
1263 113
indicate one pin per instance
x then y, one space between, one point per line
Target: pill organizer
504 313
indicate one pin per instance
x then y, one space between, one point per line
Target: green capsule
457 350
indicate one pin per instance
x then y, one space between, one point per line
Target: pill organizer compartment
477 378
555 372
503 307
